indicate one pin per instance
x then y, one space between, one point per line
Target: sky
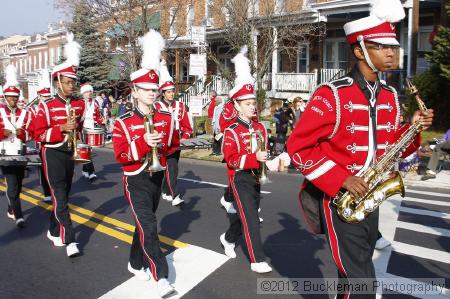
27 16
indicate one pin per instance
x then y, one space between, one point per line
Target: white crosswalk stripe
389 223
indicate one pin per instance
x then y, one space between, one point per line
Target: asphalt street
33 268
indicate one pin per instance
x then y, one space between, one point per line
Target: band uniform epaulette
342 82
126 115
233 126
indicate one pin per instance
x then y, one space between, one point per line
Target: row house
41 51
315 59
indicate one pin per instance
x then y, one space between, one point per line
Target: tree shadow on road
176 224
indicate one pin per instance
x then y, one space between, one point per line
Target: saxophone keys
369 205
360 216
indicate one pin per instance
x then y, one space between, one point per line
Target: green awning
153 22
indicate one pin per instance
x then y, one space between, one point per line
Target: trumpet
261 145
72 138
151 158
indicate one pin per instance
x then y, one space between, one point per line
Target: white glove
274 164
286 159
152 139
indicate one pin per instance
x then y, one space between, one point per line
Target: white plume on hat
164 75
152 44
72 50
44 79
242 68
389 10
11 76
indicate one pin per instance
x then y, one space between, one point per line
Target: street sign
198 34
196 105
197 65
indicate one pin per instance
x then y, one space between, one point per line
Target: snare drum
83 153
12 146
94 137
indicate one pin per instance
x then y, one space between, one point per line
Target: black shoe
20 223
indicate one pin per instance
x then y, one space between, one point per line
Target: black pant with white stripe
352 247
171 175
14 177
89 167
247 194
142 192
43 179
58 168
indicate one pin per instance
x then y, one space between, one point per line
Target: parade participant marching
140 139
347 124
43 93
14 125
91 120
245 152
181 130
57 124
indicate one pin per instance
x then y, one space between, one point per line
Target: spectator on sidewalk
212 104
440 150
298 107
282 117
218 136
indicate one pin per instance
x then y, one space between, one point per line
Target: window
253 8
423 37
40 60
208 13
52 57
303 58
280 6
45 59
173 21
190 16
29 64
336 54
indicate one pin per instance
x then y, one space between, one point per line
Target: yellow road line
96 226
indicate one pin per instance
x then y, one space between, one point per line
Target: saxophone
383 183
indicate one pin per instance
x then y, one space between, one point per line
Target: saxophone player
133 147
347 124
59 118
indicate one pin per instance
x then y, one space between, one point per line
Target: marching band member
133 145
347 124
181 130
243 164
14 125
53 128
43 94
92 119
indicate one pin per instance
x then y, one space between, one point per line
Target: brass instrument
261 145
72 141
383 183
151 158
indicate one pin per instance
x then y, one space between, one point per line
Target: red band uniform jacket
181 127
12 119
130 147
239 145
347 124
51 115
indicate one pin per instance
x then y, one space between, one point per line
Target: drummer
14 126
92 119
181 130
53 127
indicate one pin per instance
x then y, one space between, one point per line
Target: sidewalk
442 180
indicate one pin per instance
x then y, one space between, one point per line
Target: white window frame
307 46
280 6
335 41
173 21
190 16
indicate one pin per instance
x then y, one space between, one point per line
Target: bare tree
125 20
261 23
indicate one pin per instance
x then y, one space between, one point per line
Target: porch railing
327 75
299 82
